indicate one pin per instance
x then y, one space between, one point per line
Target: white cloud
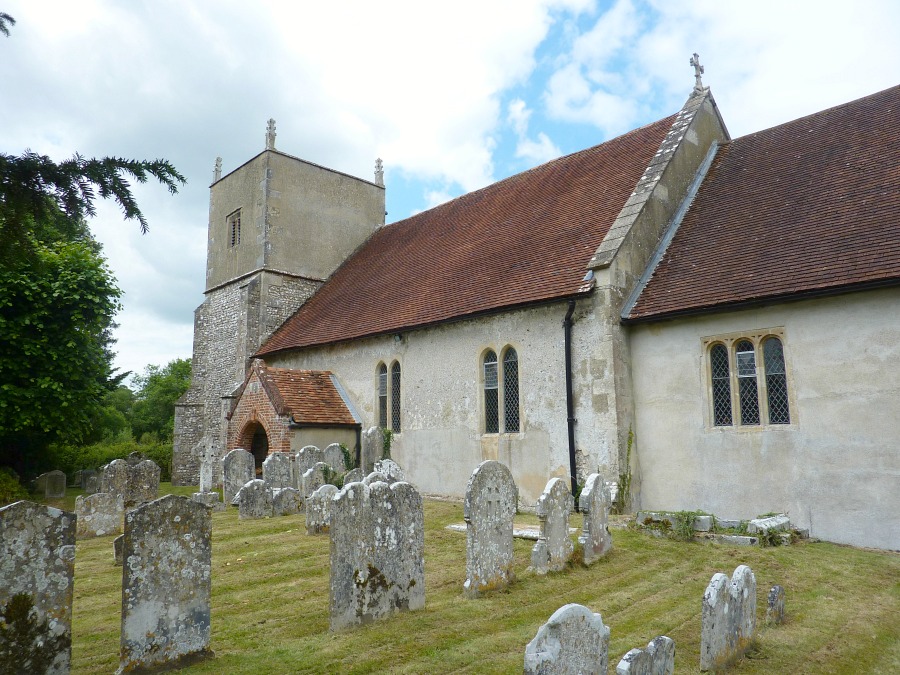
535 151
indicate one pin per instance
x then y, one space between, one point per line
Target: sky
452 96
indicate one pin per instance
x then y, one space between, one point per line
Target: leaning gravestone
255 500
390 469
594 503
37 564
115 478
307 458
56 485
166 581
574 640
372 448
318 509
279 470
333 456
286 501
729 618
657 659
354 476
775 606
238 469
554 548
314 478
143 482
489 507
377 552
98 515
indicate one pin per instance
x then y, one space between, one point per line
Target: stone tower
278 227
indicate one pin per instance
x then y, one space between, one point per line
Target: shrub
70 458
11 490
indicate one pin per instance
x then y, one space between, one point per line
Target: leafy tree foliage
157 390
5 22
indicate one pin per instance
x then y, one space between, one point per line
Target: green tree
157 390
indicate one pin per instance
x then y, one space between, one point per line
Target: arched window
395 398
776 382
721 385
491 394
382 395
510 391
748 393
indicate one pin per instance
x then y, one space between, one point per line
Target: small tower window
234 227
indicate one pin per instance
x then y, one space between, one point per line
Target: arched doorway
255 437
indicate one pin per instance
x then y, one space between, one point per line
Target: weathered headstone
318 509
489 507
92 484
657 659
354 476
206 471
307 458
376 477
372 448
118 548
76 480
255 500
166 582
85 476
574 640
238 469
390 469
377 552
314 478
99 514
279 470
40 484
135 458
333 456
775 606
728 618
209 499
286 501
779 523
37 564
56 485
115 479
143 482
594 503
554 548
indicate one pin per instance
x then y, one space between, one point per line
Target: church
712 323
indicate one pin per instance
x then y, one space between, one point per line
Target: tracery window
501 392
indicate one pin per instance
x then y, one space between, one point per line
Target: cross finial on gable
379 172
698 71
217 169
270 135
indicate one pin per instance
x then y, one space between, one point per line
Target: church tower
278 227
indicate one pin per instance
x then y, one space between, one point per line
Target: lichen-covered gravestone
92 483
37 564
166 582
279 470
657 659
55 487
99 514
377 552
354 476
314 478
238 469
390 469
594 503
255 500
115 478
574 640
333 456
307 458
775 606
372 448
376 477
143 482
286 501
489 507
728 618
318 509
554 545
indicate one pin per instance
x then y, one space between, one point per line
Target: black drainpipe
570 405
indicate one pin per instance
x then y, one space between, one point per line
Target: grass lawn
270 604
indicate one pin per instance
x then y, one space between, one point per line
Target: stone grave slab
98 515
286 501
594 503
333 456
255 500
318 509
728 618
307 458
143 482
238 469
390 469
775 606
554 548
657 659
574 640
279 470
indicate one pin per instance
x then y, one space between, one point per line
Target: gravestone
377 553
489 506
554 545
40 484
307 458
209 499
779 523
115 479
92 484
594 503
775 606
206 472
85 476
279 470
77 479
372 448
143 482
238 469
728 618
318 509
286 501
98 515
314 478
354 476
375 477
574 640
135 458
37 565
56 485
118 546
333 456
166 582
657 659
255 500
390 469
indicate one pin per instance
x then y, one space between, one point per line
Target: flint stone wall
166 582
489 507
238 469
279 470
37 560
377 552
255 500
594 503
98 515
318 510
729 618
657 659
574 640
554 545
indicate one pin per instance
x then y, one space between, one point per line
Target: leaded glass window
510 391
382 395
721 385
491 402
748 394
776 382
395 398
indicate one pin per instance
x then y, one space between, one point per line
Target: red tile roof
808 207
523 240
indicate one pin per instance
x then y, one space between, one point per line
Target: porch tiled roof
306 396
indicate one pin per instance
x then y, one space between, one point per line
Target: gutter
570 404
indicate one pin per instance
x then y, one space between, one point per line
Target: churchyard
270 603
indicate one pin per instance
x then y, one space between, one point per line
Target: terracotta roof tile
307 396
808 207
522 240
